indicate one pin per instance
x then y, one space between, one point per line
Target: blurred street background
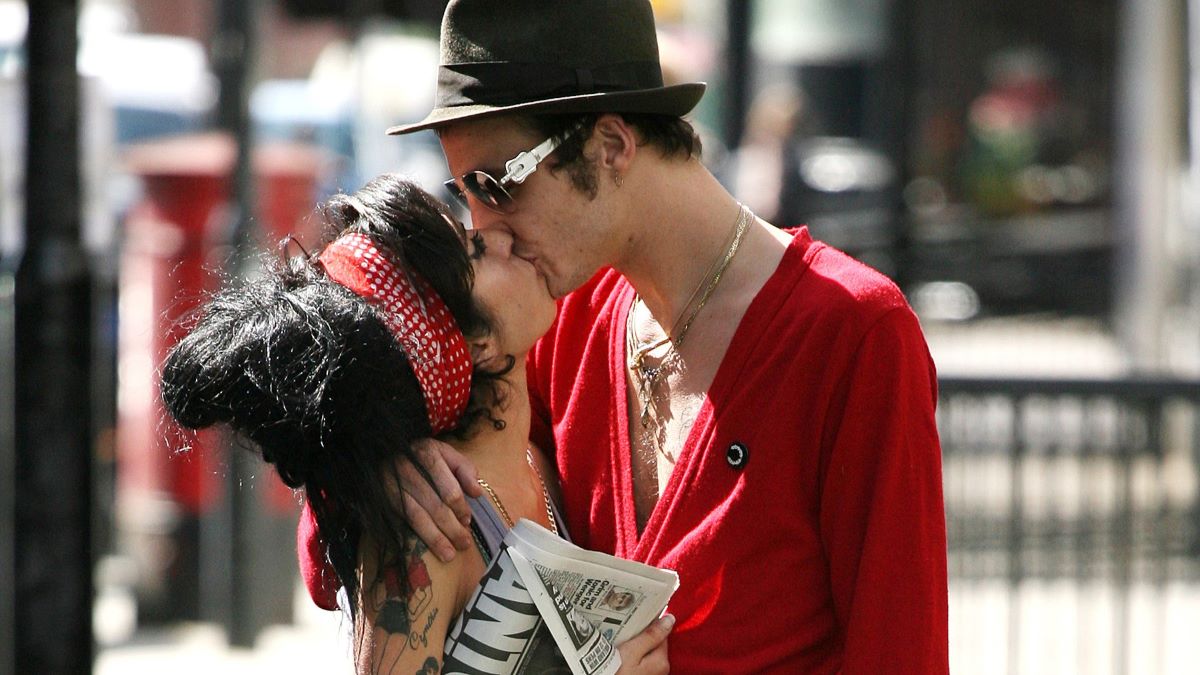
1028 171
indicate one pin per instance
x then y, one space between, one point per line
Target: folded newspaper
547 606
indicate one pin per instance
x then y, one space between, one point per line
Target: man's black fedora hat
550 56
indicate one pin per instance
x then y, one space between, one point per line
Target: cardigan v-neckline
631 543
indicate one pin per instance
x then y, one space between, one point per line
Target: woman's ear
483 349
617 142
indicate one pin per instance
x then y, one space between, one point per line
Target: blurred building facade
999 158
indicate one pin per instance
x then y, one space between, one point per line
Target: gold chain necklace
648 377
545 495
710 279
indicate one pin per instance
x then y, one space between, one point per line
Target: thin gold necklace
710 279
545 495
649 377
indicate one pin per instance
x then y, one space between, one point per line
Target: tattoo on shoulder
430 667
408 619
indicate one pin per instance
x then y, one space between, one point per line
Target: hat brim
676 100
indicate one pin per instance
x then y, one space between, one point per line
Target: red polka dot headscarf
420 321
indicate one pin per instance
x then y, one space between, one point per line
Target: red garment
822 549
318 574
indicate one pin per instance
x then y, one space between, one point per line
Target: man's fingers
422 503
426 530
439 460
654 636
656 661
658 630
431 494
425 502
463 469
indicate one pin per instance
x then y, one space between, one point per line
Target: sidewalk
317 643
1025 347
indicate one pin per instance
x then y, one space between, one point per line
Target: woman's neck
502 458
499 454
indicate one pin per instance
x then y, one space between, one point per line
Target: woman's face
510 289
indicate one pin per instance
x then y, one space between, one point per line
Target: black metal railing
1088 485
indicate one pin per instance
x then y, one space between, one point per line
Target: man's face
554 226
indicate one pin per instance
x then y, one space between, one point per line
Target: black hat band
502 83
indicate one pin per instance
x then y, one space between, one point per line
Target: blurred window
1010 145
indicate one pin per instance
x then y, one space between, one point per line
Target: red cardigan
805 514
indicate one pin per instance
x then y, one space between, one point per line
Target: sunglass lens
456 192
489 191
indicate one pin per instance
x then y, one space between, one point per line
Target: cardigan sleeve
882 516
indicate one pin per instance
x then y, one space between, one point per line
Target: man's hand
646 652
438 511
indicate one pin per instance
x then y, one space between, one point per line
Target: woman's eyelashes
478 247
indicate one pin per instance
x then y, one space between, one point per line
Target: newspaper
547 606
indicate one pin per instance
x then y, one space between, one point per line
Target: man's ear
617 142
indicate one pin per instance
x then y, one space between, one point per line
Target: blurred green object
1018 122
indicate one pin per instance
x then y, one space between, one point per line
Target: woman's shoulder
407 604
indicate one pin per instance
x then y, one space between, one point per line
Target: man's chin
553 289
560 287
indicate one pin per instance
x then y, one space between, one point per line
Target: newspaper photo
547 606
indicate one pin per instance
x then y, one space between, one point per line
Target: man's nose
483 218
499 242
503 243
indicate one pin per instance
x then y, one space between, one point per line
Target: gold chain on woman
648 377
545 495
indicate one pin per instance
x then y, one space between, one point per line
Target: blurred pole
894 127
738 15
53 305
1193 80
234 53
8 483
1148 145
1193 201
1192 194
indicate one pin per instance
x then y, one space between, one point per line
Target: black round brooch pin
737 455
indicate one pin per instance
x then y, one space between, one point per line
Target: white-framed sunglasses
494 192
